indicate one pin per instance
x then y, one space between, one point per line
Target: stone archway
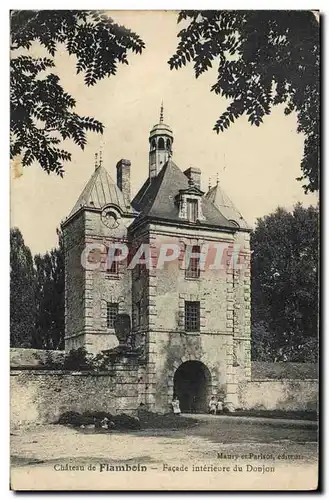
193 386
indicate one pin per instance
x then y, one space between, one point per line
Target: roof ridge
83 196
145 191
158 180
94 177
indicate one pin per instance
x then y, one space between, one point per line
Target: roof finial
217 179
209 184
101 147
96 161
161 112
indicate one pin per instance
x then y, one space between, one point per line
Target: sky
256 166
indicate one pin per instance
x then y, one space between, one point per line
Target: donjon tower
190 322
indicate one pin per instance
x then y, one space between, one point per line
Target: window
193 268
192 209
138 313
113 269
161 143
192 316
138 271
111 314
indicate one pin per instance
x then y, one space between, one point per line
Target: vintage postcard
164 250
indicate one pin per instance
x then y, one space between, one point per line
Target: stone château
190 323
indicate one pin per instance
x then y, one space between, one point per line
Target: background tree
36 296
50 299
42 113
22 292
264 58
285 285
261 344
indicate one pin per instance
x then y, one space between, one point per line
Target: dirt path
40 453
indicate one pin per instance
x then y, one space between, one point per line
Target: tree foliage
50 299
22 292
285 285
36 296
264 58
42 113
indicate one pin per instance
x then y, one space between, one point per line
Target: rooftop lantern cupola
161 139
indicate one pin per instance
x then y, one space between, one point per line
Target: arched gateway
192 386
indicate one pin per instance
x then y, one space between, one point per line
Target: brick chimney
123 179
194 174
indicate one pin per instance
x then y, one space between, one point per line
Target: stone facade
155 298
41 396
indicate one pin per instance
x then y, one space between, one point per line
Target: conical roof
219 198
100 190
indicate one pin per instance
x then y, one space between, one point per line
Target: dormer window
190 204
192 209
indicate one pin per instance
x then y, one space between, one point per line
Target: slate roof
219 198
99 191
156 198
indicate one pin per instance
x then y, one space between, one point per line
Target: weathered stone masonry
169 208
40 395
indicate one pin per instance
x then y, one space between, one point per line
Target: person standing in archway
175 406
194 404
212 407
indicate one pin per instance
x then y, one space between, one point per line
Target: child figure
220 406
105 423
175 406
212 406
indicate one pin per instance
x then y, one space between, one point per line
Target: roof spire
99 156
161 112
101 147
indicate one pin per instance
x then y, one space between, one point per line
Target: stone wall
261 370
34 358
41 396
279 395
73 235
